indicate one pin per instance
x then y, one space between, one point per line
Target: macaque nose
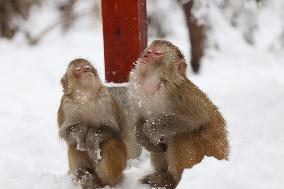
148 53
158 52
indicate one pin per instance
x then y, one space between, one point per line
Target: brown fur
111 167
173 114
89 115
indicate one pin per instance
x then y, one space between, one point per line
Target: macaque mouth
143 62
88 74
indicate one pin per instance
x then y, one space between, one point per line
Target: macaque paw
159 148
81 147
163 147
86 178
163 140
159 179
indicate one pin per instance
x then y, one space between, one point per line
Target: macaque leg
218 146
80 169
185 151
159 161
160 178
113 161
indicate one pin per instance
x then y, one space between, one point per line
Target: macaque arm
64 129
160 128
67 114
195 113
144 141
192 113
111 110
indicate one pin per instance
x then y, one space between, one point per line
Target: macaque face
161 56
151 57
151 54
83 73
83 70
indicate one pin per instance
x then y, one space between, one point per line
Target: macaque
93 126
176 122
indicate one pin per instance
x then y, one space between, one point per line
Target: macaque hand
94 139
159 148
159 128
151 147
143 140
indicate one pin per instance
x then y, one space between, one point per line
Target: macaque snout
83 70
153 52
150 55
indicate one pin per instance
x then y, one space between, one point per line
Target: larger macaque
93 125
176 121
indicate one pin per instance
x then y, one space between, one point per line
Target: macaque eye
88 67
149 51
158 53
78 69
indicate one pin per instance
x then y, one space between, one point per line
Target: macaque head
80 74
161 53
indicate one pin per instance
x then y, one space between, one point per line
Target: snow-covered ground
246 82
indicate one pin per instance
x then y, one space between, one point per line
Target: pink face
151 54
83 70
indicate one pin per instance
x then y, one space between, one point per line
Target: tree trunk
196 35
8 10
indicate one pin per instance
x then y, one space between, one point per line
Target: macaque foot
159 179
86 178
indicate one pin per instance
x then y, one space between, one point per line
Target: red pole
125 36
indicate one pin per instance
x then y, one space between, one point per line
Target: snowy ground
246 82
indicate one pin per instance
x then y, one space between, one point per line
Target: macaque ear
64 82
181 67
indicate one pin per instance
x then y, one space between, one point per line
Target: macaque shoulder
104 95
190 104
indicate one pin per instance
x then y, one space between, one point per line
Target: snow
246 82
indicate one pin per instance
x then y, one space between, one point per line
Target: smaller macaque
80 112
93 126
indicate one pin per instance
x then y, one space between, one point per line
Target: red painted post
125 36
